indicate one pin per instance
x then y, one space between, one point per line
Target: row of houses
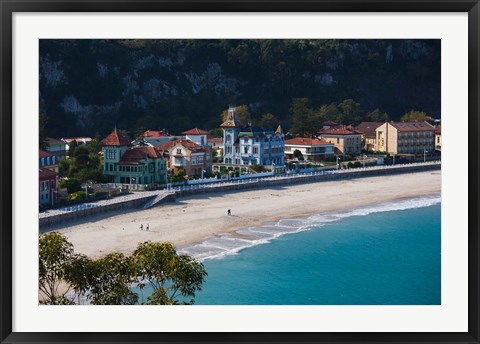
155 155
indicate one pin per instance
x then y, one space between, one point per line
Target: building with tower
251 145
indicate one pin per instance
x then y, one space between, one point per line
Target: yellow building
345 139
369 135
405 137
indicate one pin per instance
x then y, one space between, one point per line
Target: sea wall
80 214
46 221
311 178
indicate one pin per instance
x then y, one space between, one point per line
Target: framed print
239 171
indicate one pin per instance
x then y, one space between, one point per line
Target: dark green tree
350 112
305 119
269 121
376 116
42 136
71 148
111 279
55 256
174 278
415 115
71 184
297 154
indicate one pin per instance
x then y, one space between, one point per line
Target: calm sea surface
383 255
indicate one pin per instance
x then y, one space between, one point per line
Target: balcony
178 162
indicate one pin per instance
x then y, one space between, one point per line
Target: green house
132 165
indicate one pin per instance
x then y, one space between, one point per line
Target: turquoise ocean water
383 255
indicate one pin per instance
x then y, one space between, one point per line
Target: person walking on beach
229 212
141 227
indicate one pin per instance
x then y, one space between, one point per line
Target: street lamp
393 154
425 154
338 165
203 171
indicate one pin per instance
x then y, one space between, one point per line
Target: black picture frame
8 7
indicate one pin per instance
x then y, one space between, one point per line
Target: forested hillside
89 86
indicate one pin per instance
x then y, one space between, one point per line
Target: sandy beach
193 219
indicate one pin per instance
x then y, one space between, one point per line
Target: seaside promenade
148 199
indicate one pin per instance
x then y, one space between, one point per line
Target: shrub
72 185
77 196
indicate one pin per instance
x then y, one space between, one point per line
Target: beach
193 219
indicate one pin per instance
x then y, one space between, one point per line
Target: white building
249 145
311 149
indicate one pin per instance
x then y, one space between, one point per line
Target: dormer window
229 138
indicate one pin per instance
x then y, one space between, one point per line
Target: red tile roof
305 141
368 128
154 133
45 173
339 130
115 139
44 154
195 131
412 126
133 156
187 144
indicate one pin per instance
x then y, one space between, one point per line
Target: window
229 138
52 184
255 150
179 151
338 140
245 150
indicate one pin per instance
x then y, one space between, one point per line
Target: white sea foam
227 244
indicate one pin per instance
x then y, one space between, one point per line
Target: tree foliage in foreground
55 255
111 280
170 275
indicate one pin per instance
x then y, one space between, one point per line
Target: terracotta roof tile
305 141
412 126
133 156
195 131
187 144
115 139
44 154
368 128
45 173
339 130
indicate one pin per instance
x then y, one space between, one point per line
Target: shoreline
194 219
